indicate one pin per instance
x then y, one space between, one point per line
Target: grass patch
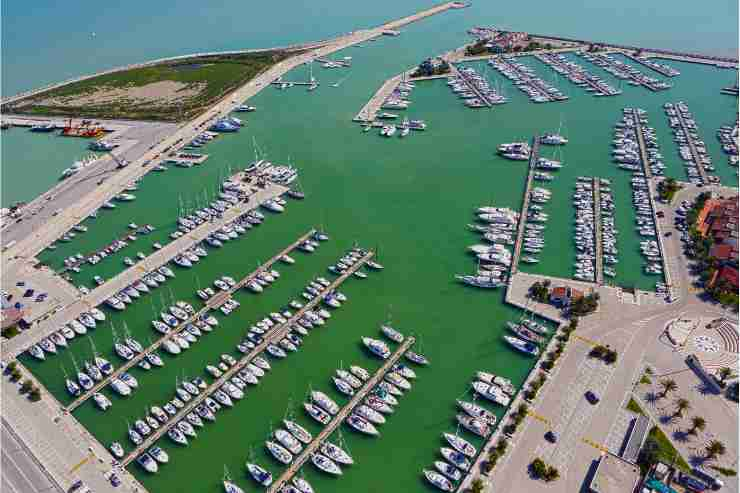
665 450
633 406
215 76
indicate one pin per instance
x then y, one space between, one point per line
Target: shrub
538 468
26 386
35 394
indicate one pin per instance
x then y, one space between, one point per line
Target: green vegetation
604 353
477 48
540 470
477 485
714 449
431 67
633 406
657 447
10 332
725 471
585 305
668 385
203 81
667 189
697 424
540 291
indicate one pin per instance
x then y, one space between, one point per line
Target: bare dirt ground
158 93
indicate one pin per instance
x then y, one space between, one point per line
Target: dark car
115 481
668 233
551 436
592 397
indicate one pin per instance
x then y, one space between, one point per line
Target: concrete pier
275 334
599 260
21 342
651 196
213 303
535 84
657 68
535 153
369 112
337 420
552 61
692 148
639 78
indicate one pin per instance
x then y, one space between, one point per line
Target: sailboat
554 138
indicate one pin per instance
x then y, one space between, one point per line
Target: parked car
551 436
592 397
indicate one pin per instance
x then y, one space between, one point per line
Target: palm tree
714 449
697 423
669 385
681 406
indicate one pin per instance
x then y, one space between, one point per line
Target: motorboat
448 470
145 460
260 474
456 458
279 452
325 464
336 453
391 333
362 425
101 401
298 431
377 347
438 480
360 373
460 444
159 455
324 401
117 450
317 413
288 441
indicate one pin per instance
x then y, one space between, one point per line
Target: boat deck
309 449
534 155
211 304
276 333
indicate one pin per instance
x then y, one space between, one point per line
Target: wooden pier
213 303
534 155
692 147
360 394
473 88
275 334
599 257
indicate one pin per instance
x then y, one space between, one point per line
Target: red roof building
726 274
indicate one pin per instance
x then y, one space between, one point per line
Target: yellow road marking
81 463
537 416
595 445
586 340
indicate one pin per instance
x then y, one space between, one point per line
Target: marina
624 71
466 77
577 74
661 68
691 148
212 304
525 80
340 416
370 191
277 333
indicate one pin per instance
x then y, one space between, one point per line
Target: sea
408 199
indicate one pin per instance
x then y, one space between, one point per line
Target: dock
160 257
534 155
275 334
122 238
662 70
211 304
369 112
473 88
309 449
692 147
599 260
530 81
638 78
585 76
643 148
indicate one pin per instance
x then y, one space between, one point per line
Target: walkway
301 459
534 155
370 110
599 260
212 303
275 334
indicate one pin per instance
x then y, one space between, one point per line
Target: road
21 472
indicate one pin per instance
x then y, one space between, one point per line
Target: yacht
361 424
553 139
377 347
260 474
523 346
448 470
325 464
150 465
298 431
101 401
279 452
460 444
317 413
117 450
392 333
438 480
478 412
324 401
456 458
159 455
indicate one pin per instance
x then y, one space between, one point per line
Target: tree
26 386
551 474
724 374
697 424
12 366
610 357
35 394
538 468
681 406
714 449
15 375
477 485
598 351
668 385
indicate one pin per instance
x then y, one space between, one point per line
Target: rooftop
614 475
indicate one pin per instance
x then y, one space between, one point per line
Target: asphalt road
21 473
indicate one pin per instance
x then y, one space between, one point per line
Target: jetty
533 156
651 196
692 148
624 71
599 260
109 288
368 112
577 74
211 304
275 334
533 82
360 394
125 237
473 88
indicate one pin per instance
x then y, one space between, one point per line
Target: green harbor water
408 198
